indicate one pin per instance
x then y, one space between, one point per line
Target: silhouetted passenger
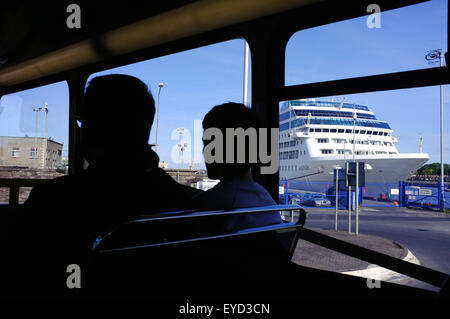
236 189
122 181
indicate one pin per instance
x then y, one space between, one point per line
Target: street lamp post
432 57
442 138
37 110
46 119
246 69
157 116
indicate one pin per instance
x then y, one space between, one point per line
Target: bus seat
164 258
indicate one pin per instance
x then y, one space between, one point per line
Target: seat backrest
167 256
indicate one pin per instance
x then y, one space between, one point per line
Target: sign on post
425 192
350 168
342 179
356 178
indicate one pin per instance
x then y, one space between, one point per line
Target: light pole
246 58
431 57
182 146
441 54
157 116
46 119
46 133
37 110
336 169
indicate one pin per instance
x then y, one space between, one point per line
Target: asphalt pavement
425 233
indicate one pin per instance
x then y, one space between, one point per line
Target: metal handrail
196 213
253 230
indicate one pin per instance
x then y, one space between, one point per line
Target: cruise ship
318 136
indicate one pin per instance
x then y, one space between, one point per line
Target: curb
383 274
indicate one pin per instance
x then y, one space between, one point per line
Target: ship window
321 113
325 130
369 132
284 116
326 151
333 130
322 140
340 130
348 131
283 127
357 132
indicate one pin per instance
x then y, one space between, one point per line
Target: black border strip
373 83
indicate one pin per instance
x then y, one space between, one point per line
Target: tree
433 169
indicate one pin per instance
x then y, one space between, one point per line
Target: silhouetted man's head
231 116
117 116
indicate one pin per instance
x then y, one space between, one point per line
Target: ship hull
381 174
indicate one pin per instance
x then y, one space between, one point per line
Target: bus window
33 136
185 87
406 149
361 47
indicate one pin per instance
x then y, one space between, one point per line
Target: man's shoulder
62 182
55 188
217 197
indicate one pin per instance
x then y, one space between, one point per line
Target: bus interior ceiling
35 50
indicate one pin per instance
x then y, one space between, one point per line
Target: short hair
119 106
230 115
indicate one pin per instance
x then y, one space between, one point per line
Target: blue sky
196 80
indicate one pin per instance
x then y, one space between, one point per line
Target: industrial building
39 153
